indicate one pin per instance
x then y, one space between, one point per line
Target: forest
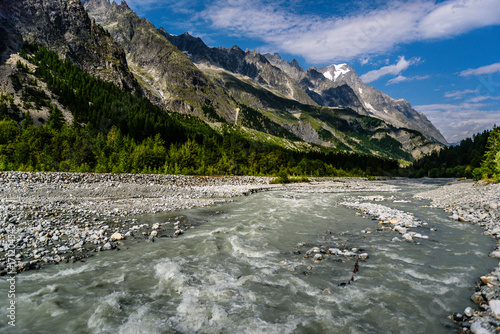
119 132
477 157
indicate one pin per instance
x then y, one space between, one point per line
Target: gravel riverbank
476 203
60 217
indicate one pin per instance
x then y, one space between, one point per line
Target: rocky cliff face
250 64
167 74
327 87
397 112
65 27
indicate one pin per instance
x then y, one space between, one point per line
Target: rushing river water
240 271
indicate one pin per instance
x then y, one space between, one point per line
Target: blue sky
441 56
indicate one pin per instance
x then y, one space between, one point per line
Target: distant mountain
332 86
397 112
366 100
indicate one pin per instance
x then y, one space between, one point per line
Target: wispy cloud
458 94
455 17
459 121
478 99
401 78
330 39
490 69
395 69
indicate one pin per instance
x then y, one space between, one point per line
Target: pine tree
27 121
56 119
490 166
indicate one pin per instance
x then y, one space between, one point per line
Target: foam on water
240 272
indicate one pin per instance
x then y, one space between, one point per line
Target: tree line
116 131
477 157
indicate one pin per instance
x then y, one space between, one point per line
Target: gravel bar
65 217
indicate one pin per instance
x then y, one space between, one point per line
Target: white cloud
401 78
482 98
395 69
490 69
332 39
455 17
458 94
457 122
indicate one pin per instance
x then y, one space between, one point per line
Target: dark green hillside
343 128
454 161
116 131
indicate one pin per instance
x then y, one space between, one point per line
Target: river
243 269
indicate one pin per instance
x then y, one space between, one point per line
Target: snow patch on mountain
337 71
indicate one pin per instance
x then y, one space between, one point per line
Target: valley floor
62 217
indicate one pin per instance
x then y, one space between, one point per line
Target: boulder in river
495 307
117 236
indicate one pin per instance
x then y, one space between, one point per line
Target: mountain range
264 95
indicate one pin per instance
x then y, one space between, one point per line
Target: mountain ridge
374 103
344 88
222 86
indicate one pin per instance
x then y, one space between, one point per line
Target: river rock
469 312
78 245
495 254
63 249
363 256
495 307
477 297
318 257
495 231
408 236
107 246
400 229
488 279
116 236
477 328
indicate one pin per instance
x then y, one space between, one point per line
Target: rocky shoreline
48 218
478 204
60 217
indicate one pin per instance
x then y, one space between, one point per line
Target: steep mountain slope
250 64
395 111
166 73
339 128
323 86
64 27
333 86
251 77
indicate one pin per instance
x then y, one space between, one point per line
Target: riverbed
295 260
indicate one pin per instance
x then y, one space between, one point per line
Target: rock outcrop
167 74
64 27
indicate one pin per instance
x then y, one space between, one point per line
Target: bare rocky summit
64 27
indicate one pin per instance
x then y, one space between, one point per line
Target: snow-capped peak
337 71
